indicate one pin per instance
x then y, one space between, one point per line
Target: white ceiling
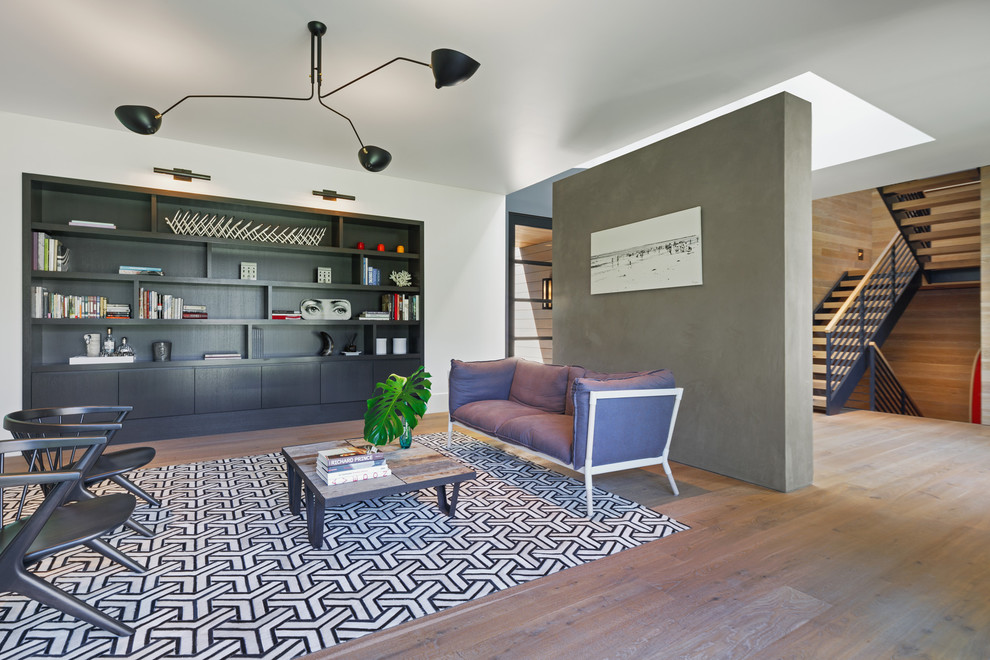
561 82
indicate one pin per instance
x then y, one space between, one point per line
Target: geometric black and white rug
232 575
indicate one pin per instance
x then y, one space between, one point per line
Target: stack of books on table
342 465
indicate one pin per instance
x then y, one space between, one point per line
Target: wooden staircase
940 218
830 305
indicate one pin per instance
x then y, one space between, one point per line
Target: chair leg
135 526
450 431
110 552
587 491
133 488
37 589
670 477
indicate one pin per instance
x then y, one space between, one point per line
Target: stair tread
963 229
966 195
920 185
950 214
957 263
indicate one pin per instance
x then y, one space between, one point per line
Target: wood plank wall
932 347
841 225
530 319
985 287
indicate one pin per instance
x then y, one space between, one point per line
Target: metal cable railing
886 392
856 323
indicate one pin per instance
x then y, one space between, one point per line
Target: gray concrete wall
740 344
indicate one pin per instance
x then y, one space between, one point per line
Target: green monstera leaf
401 400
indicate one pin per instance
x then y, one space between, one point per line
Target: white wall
465 230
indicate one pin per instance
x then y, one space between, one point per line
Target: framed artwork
658 253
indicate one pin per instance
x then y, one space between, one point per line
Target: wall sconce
180 174
859 254
547 293
332 195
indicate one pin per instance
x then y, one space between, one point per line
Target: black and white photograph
658 253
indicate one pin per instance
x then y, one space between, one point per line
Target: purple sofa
590 422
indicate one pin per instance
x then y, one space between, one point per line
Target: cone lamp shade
139 118
451 67
374 159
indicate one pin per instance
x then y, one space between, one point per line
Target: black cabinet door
222 389
80 388
384 368
158 392
285 385
346 381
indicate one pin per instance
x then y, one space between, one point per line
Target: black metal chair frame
53 525
48 422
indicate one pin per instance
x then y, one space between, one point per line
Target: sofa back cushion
480 381
542 386
573 374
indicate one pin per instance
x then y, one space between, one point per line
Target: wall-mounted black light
332 195
450 67
547 293
180 174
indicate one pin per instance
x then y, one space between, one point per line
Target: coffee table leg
446 507
314 520
293 483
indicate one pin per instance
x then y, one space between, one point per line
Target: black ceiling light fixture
450 67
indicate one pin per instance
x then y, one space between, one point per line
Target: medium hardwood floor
887 555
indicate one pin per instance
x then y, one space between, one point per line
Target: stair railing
886 392
859 319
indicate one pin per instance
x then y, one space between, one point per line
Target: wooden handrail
859 287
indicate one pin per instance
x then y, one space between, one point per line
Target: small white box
323 275
381 346
249 270
399 345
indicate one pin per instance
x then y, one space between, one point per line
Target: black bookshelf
281 380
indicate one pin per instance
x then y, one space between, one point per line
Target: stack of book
281 314
140 270
48 253
228 355
92 224
346 464
194 312
373 315
118 310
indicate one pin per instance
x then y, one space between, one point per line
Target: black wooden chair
37 521
89 420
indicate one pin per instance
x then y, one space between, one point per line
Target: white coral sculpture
402 278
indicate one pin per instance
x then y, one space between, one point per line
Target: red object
381 247
976 403
360 245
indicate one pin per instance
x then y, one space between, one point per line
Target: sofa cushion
480 381
548 434
489 416
573 373
542 386
636 425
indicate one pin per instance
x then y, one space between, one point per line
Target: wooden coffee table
415 468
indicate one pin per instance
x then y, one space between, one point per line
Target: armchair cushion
480 381
488 416
542 386
547 434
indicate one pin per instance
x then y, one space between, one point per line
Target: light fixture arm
405 59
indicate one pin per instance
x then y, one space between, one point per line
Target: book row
48 253
47 304
401 307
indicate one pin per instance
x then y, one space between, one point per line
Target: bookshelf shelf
281 379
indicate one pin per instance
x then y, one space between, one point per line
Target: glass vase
405 440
